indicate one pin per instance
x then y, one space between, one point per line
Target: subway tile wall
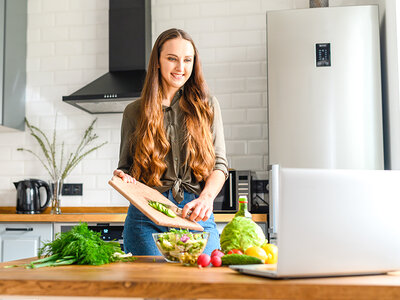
68 48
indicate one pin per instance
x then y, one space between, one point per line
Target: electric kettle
29 199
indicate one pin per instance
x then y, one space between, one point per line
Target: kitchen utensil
29 198
139 195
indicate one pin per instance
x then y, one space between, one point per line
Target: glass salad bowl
181 245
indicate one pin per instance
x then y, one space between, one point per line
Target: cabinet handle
19 229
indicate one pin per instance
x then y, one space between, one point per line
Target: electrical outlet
259 186
72 189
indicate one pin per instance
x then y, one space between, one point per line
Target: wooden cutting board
140 194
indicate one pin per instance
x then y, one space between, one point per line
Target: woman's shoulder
133 108
213 101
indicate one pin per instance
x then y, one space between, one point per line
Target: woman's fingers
118 173
188 207
125 177
207 215
199 210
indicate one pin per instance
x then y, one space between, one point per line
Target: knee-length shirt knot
178 175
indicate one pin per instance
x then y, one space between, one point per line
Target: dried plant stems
61 171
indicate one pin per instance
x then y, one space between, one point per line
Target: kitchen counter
152 277
90 214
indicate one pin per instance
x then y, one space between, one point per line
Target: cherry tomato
235 251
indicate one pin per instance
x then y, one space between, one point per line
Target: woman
172 140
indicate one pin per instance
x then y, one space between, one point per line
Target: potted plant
60 166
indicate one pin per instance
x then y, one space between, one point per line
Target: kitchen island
152 277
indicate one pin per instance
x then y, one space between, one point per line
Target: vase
56 188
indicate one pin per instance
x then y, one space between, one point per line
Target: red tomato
235 251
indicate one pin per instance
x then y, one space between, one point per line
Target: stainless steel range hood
129 50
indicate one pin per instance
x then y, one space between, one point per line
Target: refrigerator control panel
323 54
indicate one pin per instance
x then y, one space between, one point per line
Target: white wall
68 48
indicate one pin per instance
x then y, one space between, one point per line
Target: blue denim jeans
138 229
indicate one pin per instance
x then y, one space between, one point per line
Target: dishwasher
108 231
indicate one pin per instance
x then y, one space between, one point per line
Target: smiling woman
172 140
176 65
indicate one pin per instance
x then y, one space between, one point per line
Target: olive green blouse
178 176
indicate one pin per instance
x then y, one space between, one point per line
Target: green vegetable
162 208
51 261
241 233
80 246
240 259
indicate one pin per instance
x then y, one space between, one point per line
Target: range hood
129 50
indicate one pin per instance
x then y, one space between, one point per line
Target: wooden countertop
152 277
90 214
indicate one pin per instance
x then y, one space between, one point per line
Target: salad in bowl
181 245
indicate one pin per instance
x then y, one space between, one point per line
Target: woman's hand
125 177
201 208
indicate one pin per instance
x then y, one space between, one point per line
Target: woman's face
176 62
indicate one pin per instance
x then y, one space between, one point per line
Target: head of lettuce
241 233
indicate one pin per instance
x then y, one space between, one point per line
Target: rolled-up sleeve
128 126
221 163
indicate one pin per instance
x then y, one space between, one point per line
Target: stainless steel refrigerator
324 88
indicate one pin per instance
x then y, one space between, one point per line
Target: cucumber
162 208
240 259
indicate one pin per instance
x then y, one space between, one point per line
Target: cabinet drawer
22 240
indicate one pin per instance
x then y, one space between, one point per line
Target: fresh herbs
162 208
80 246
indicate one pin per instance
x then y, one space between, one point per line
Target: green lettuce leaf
241 233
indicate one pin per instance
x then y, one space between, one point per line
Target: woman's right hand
125 177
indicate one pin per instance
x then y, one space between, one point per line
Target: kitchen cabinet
13 28
22 240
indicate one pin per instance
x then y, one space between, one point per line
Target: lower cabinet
22 240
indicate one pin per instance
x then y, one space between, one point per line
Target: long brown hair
149 144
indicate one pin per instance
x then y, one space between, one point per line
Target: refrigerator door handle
273 203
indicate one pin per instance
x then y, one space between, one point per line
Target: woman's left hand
201 208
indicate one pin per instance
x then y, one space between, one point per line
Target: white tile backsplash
68 48
70 18
53 63
247 132
233 116
246 100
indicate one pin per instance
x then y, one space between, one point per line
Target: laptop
331 222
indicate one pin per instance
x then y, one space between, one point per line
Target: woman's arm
203 206
128 126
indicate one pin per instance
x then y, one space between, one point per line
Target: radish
203 260
217 252
216 261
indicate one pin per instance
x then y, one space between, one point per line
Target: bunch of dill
85 246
